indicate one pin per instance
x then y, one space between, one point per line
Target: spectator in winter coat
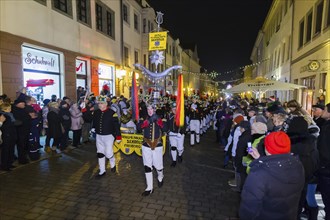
45 111
9 137
88 119
303 144
273 187
76 124
324 152
23 128
54 127
65 118
241 151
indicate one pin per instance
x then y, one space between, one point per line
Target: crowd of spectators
256 136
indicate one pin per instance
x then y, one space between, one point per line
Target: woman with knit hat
273 187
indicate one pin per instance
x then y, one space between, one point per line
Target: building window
144 25
136 22
301 33
104 19
149 26
318 22
323 77
126 56
136 56
43 2
285 6
63 6
283 53
289 49
110 23
328 15
98 13
125 13
309 27
84 11
144 60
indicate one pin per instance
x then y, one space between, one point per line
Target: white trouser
194 129
153 158
104 145
176 141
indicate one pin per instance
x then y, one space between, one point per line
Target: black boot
313 212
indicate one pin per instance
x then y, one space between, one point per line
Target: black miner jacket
105 122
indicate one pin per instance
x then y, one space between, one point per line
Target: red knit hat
238 119
278 142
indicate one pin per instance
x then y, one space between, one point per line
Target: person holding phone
273 187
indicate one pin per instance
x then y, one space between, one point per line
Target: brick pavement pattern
65 187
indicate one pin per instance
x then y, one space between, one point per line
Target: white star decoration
157 57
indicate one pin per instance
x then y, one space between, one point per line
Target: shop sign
81 67
40 60
313 65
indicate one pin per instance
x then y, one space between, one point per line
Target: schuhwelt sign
40 60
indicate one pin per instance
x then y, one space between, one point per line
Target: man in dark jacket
273 187
23 129
107 130
324 152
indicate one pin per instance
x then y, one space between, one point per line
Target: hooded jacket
272 189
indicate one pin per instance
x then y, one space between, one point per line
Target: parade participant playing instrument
152 147
107 130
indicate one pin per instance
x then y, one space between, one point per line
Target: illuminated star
157 57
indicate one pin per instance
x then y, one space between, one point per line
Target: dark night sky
224 30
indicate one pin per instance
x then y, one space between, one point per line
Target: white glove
171 133
93 130
179 135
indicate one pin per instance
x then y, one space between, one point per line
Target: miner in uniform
194 121
107 129
152 148
176 137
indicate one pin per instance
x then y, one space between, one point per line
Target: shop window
81 72
84 11
104 19
63 6
106 83
323 77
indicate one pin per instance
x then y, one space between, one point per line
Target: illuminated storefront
42 72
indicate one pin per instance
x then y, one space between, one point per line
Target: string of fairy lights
213 75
